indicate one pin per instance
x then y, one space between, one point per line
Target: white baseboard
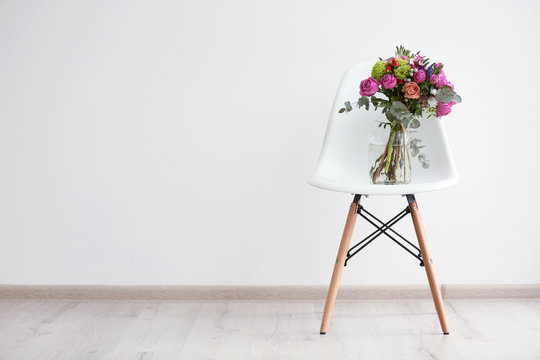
309 293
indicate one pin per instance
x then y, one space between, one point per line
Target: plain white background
169 142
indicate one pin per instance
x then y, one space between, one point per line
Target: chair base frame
420 252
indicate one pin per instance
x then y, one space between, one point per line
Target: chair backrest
343 163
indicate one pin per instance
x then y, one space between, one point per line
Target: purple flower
419 76
444 109
388 81
368 87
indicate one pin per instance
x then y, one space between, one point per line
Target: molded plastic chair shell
343 163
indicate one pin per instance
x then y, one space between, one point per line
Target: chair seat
343 164
364 188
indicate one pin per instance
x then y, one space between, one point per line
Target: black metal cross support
386 229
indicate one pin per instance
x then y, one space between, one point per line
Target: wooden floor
368 329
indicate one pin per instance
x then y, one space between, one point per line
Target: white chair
343 166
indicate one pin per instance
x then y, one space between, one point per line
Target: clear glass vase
389 156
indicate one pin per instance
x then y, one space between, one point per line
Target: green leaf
399 111
341 110
363 101
415 124
415 141
391 117
348 105
446 95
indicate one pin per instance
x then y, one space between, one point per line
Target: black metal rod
376 231
392 230
391 237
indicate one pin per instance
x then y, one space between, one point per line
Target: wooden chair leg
428 262
338 266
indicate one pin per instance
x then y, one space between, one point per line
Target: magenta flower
388 81
419 76
442 82
435 79
444 109
368 87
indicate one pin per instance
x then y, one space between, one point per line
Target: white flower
433 91
431 101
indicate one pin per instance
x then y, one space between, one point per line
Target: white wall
169 142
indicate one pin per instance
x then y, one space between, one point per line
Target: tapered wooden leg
338 266
428 262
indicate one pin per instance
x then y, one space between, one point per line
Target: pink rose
403 57
419 76
443 82
388 81
436 79
368 87
444 109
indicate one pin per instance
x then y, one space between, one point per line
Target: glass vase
389 156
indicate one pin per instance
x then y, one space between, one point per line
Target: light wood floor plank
222 330
159 332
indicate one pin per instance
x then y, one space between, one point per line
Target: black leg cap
446 333
323 333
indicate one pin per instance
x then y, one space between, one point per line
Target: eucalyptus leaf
415 141
390 116
445 94
399 111
415 124
348 105
363 101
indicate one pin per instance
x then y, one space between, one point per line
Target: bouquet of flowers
413 87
